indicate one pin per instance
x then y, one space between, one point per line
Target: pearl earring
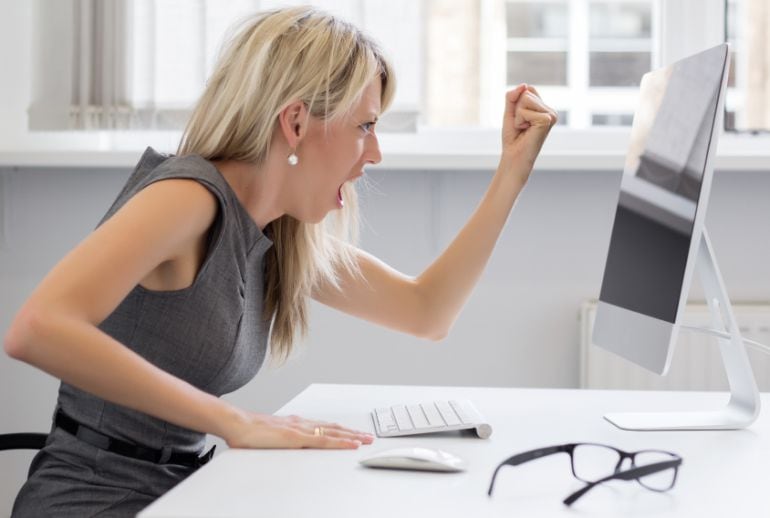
293 159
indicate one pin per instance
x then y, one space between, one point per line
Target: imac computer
658 240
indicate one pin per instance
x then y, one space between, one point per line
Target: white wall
520 327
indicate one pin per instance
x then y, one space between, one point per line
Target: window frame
686 26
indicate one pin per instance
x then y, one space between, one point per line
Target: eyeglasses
597 463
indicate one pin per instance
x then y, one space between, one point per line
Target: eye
367 127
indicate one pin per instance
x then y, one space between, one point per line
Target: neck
258 188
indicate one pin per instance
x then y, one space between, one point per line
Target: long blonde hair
275 58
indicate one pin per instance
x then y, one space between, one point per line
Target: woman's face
331 154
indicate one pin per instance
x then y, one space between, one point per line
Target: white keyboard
435 416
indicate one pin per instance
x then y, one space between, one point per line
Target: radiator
696 362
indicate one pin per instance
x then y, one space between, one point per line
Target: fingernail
357 443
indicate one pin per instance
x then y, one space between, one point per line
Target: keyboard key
418 416
385 418
402 417
460 411
449 415
434 418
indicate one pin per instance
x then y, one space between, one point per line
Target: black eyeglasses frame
634 473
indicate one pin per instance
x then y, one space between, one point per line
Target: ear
293 120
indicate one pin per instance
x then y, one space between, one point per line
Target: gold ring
318 431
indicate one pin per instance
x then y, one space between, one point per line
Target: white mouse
425 459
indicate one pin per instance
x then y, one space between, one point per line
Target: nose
372 152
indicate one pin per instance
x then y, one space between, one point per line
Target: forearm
448 282
80 354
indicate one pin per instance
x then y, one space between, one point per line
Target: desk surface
724 473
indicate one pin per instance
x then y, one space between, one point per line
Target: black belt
127 449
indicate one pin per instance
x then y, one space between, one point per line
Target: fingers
512 96
306 433
512 127
532 102
534 91
521 104
547 108
532 111
330 442
340 432
268 431
535 119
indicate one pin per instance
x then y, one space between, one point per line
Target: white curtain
81 65
142 64
758 65
101 97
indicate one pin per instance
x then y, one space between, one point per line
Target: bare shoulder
169 211
157 226
175 197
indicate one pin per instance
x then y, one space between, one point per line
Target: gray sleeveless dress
212 334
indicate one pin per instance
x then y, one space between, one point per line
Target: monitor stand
743 407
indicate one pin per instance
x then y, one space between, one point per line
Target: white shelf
478 150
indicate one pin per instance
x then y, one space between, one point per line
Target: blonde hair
278 57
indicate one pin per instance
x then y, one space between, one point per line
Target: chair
22 441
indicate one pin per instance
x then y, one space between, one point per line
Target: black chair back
22 441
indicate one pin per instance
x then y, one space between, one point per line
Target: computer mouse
425 459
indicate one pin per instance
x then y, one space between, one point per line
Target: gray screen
661 185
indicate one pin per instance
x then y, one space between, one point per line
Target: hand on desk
268 431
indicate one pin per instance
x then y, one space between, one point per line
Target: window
161 51
748 96
589 55
586 58
176 43
454 58
173 80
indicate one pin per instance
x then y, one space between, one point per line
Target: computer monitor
658 238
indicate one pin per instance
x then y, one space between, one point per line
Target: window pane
621 20
731 73
537 68
729 120
612 119
748 93
618 68
541 20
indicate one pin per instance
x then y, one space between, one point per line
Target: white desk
724 473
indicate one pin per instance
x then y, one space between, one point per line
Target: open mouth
340 199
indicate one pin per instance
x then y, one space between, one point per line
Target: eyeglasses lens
591 462
660 481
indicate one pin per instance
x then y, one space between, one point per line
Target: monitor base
726 419
743 407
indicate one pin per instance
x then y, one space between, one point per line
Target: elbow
437 336
435 333
18 340
430 321
14 343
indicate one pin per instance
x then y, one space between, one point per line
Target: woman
168 304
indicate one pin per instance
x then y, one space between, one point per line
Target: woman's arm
427 305
56 329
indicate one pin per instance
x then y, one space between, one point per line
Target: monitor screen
661 185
